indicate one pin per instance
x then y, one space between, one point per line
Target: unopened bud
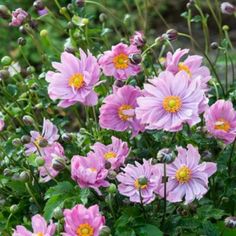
24 176
16 142
58 163
105 231
39 5
119 83
28 120
30 70
58 213
230 222
102 17
39 161
214 45
112 188
171 35
25 139
80 3
43 33
4 74
107 165
4 12
227 8
165 155
14 208
6 60
43 143
135 58
67 137
111 174
206 155
225 27
21 41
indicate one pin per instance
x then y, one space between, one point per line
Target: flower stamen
109 155
76 81
85 230
121 111
121 61
183 174
183 67
172 104
222 124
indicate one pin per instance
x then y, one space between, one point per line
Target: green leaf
150 230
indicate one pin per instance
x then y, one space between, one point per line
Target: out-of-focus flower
74 80
81 221
118 111
230 222
18 17
47 172
40 228
221 121
170 35
186 177
115 153
170 101
14 69
192 65
139 180
116 62
49 133
227 8
4 12
2 124
43 12
89 172
137 39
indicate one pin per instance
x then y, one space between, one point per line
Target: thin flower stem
32 195
142 205
232 67
230 158
226 71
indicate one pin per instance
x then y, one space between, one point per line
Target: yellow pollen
162 60
37 141
222 124
85 230
93 169
121 110
76 81
183 67
109 155
40 234
121 61
137 185
183 174
172 104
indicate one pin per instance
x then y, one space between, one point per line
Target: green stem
32 195
230 158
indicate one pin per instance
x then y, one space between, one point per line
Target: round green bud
16 142
105 231
25 139
24 176
43 33
43 143
63 10
85 21
112 188
225 27
14 208
6 60
58 213
39 161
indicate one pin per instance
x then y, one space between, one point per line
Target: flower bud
58 213
58 163
38 5
111 174
112 188
225 27
107 165
30 70
137 39
70 25
22 29
16 142
85 21
4 12
43 33
25 139
165 155
102 17
14 208
43 143
135 58
24 176
7 172
227 8
105 231
119 83
70 50
6 60
28 120
230 222
206 155
170 35
33 24
19 16
214 45
21 41
67 137
80 3
63 11
39 161
4 74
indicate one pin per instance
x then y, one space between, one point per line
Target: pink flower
137 39
116 62
2 124
89 172
118 111
170 101
47 172
192 65
227 8
18 17
115 153
74 80
80 221
49 133
43 12
221 121
186 177
40 228
139 179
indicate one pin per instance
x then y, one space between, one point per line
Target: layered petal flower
18 17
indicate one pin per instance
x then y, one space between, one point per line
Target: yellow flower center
183 67
121 112
85 230
162 60
121 61
93 169
39 234
76 81
183 174
172 104
37 140
222 124
137 185
109 155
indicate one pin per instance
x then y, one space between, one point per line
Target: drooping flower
115 153
221 121
18 17
192 65
227 8
170 101
2 124
118 111
47 172
81 221
137 39
49 133
116 62
89 172
74 80
40 228
187 179
136 180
